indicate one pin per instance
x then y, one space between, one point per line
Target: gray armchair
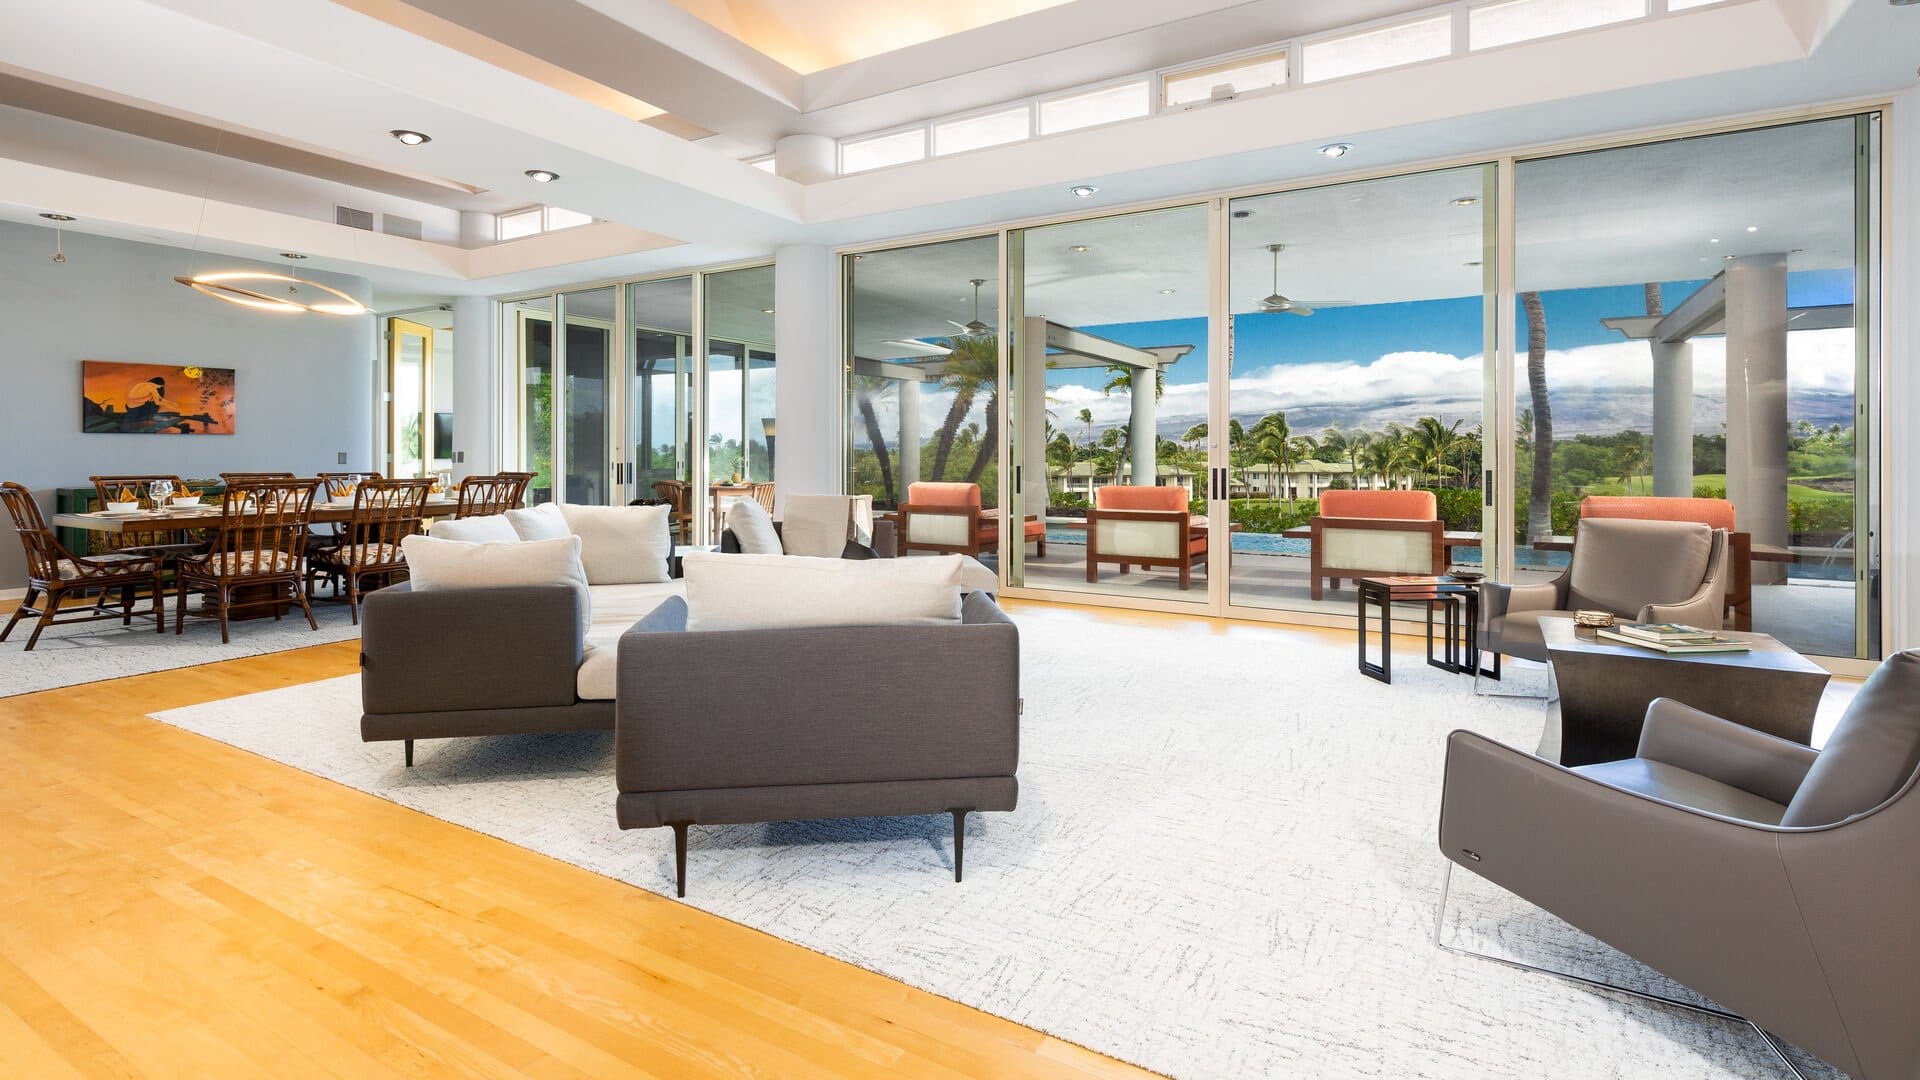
1642 571
1778 881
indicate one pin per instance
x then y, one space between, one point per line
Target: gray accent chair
1640 571
1778 881
823 722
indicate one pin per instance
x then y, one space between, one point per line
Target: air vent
395 225
353 219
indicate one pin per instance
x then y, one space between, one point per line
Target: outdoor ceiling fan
976 328
1279 304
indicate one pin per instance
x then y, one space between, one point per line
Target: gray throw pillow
1872 753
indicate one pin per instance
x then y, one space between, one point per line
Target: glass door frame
398 329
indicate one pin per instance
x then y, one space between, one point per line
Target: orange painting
155 399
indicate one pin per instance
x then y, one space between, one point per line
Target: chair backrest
43 548
1141 497
231 477
1623 564
1389 505
263 523
481 496
763 494
1713 513
108 488
386 512
943 493
677 494
1872 752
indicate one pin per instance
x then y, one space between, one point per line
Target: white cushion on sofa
752 526
615 609
622 545
752 592
543 522
487 529
452 564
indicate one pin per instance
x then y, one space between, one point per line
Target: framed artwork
155 399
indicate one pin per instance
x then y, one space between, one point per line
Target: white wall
303 383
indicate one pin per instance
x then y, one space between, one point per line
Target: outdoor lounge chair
1144 526
946 519
1375 533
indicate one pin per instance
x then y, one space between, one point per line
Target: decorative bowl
185 500
1593 618
123 507
1466 577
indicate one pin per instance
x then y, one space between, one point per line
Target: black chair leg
679 857
959 838
409 753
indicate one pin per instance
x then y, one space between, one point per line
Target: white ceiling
808 35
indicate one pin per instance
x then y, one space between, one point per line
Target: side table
1458 602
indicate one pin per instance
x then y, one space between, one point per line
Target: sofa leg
959 837
409 753
679 857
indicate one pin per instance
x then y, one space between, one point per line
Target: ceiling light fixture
1713 240
291 255
1335 149
766 311
1166 292
542 176
1243 214
1475 262
1078 248
230 285
1466 200
411 138
1083 191
1753 228
58 217
976 328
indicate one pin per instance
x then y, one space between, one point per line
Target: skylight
1510 21
1237 76
987 129
1103 106
1370 50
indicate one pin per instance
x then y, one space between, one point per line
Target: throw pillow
758 592
752 526
622 545
489 529
543 522
452 564
817 525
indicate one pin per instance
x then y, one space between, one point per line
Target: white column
908 472
1145 439
807 159
1030 386
810 382
1672 418
1757 402
477 378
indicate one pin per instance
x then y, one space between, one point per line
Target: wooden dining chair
334 483
54 573
168 544
230 478
763 494
677 494
385 512
480 496
258 553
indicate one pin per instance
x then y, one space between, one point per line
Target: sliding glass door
588 359
662 384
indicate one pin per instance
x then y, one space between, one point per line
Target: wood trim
1319 570
1182 562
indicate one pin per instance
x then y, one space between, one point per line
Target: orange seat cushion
1713 513
1390 505
1141 497
943 493
1036 530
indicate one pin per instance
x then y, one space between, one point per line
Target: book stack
1672 638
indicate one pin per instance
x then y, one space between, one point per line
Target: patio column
1144 440
1672 418
1757 402
909 471
1030 397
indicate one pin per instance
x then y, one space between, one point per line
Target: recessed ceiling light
1753 228
1466 200
542 176
1728 258
1166 292
1083 191
1335 149
411 138
857 258
1077 248
58 217
1713 239
1475 262
291 255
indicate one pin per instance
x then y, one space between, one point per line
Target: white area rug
1223 864
71 653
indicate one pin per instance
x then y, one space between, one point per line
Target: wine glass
159 491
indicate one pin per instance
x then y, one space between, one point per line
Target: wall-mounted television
443 436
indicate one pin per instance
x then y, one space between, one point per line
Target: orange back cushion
1713 513
943 493
1127 497
1393 505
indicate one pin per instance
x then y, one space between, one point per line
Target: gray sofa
851 721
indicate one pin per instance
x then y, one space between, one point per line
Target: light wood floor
172 906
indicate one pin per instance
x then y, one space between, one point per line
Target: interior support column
811 373
1672 418
909 470
1030 394
476 387
1757 402
1144 438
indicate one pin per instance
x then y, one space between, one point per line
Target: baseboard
13 594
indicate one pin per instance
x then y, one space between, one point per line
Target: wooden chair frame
482 496
977 542
48 565
168 544
677 494
259 550
1184 562
1320 569
385 512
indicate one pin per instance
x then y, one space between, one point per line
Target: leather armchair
1642 571
1773 879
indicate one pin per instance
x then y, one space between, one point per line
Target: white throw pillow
488 529
434 564
756 592
543 522
753 527
622 545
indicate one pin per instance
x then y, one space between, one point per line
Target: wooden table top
1451 538
1761 552
203 517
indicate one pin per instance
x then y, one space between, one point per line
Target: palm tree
1086 420
1540 490
1433 443
1385 456
1274 442
867 389
973 363
1195 435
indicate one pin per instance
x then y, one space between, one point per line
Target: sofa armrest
820 705
1699 742
1498 598
1703 609
517 646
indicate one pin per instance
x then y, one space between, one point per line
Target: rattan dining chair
54 573
385 512
480 496
677 494
168 544
258 553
